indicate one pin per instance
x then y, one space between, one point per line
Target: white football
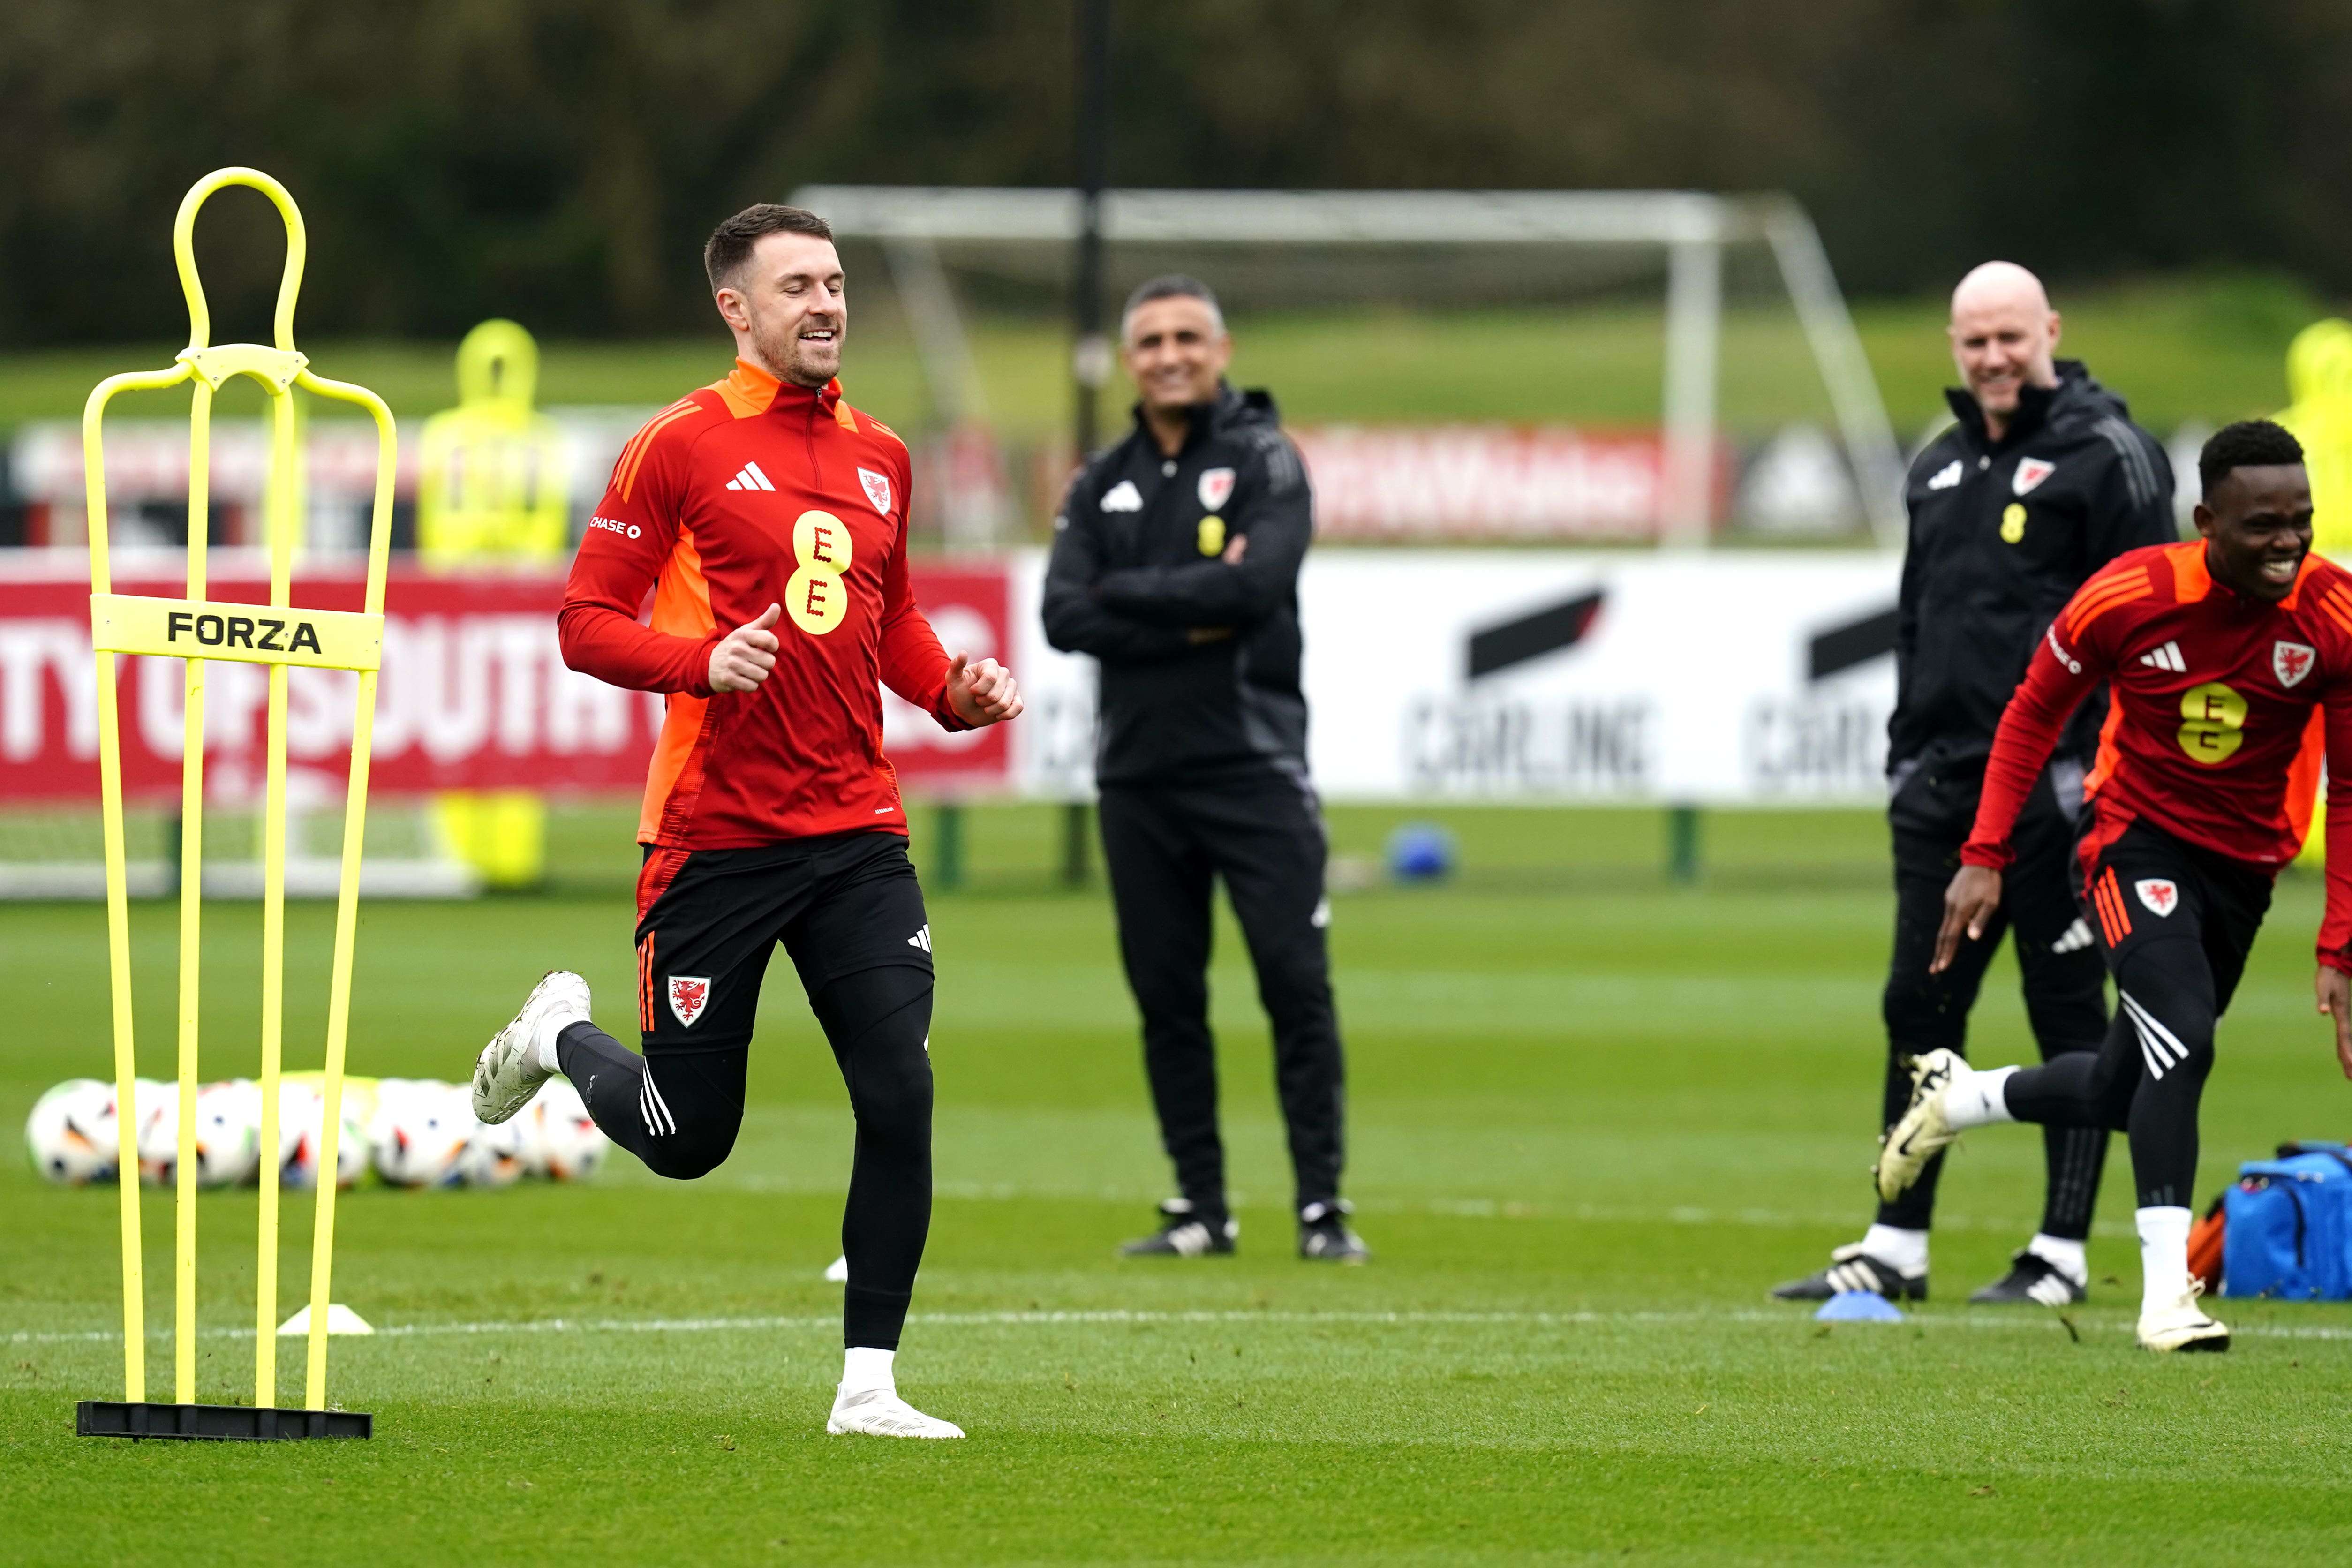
421 1132
70 1135
494 1156
229 1134
158 1130
301 1119
531 1133
571 1146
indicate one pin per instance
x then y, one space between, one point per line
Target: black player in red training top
2230 660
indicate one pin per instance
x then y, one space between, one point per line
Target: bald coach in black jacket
2041 480
1175 565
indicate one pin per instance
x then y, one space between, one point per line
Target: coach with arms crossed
1175 565
2041 480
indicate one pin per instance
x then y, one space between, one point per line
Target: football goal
1570 366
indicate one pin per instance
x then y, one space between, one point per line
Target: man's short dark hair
1171 286
730 245
2248 444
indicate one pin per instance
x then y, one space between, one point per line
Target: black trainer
1182 1234
1324 1236
1852 1268
2033 1280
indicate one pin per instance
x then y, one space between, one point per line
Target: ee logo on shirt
2216 723
816 597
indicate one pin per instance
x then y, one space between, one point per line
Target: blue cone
1858 1306
1420 852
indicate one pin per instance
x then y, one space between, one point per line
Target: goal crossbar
1691 226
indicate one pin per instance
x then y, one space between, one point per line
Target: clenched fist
744 656
982 693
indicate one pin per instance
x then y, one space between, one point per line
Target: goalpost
1718 260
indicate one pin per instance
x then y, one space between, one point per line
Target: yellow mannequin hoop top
277 366
184 251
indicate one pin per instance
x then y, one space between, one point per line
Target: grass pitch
1593 1117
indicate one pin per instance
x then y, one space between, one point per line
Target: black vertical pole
1090 358
1090 350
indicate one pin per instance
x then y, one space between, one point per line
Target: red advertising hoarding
474 692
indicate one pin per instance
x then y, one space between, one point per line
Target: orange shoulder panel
2117 585
2336 603
633 455
2191 580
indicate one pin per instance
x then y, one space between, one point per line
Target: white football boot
2182 1325
1923 1131
513 1065
880 1412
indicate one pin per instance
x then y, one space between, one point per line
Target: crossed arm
1142 615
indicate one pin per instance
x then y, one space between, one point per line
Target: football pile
406 1132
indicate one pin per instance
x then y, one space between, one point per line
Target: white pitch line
2020 1322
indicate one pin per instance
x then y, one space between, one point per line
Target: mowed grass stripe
2004 1322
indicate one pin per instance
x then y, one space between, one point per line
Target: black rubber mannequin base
216 1422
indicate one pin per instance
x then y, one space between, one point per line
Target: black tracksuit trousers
1262 835
2058 958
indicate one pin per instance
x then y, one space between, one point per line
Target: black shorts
709 919
2144 886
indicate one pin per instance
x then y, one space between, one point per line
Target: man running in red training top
2227 657
766 506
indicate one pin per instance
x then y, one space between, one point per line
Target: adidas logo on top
1946 477
750 478
2165 657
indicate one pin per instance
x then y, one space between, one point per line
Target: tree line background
563 159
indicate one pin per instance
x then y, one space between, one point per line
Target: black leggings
680 1111
2147 1077
2176 922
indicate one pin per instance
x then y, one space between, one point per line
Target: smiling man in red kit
768 519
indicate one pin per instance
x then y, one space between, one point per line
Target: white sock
1907 1249
2163 1256
548 1028
2066 1256
1977 1099
863 1368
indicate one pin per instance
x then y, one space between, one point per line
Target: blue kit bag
2288 1230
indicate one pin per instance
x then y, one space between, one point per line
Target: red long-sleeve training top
2222 706
749 492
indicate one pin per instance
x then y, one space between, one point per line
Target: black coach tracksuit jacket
2002 533
1138 565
